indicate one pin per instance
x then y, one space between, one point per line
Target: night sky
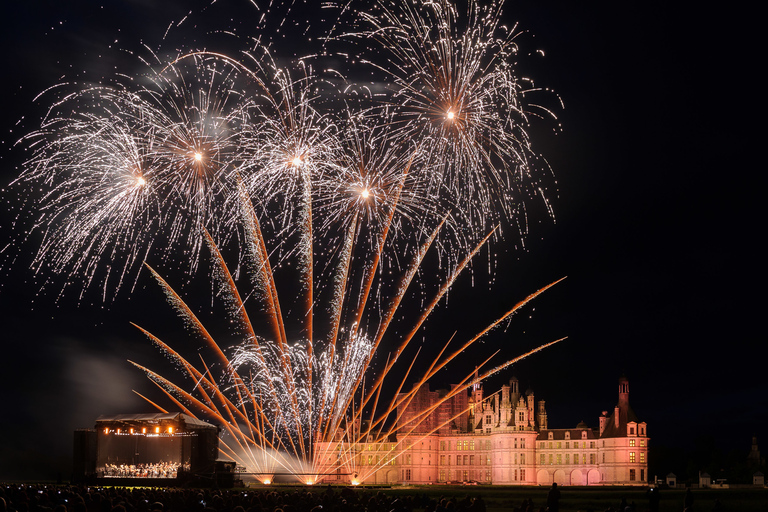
657 226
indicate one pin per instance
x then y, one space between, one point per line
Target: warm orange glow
267 482
296 162
355 482
131 431
309 482
140 182
170 430
144 430
106 431
157 430
199 156
118 431
450 114
365 193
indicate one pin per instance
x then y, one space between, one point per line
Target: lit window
575 444
631 456
567 458
642 457
559 458
542 459
631 442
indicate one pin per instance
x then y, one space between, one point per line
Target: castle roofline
558 434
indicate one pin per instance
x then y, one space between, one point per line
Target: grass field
582 499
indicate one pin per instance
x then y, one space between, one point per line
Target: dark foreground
39 497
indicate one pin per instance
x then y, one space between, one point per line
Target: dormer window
583 434
551 436
567 435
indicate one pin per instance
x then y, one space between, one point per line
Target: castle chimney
623 393
603 421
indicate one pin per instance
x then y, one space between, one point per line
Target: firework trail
340 189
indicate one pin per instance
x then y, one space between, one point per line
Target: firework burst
455 90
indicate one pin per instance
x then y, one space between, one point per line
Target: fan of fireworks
285 403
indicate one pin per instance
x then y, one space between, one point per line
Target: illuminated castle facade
504 439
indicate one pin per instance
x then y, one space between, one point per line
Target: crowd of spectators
34 498
41 498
